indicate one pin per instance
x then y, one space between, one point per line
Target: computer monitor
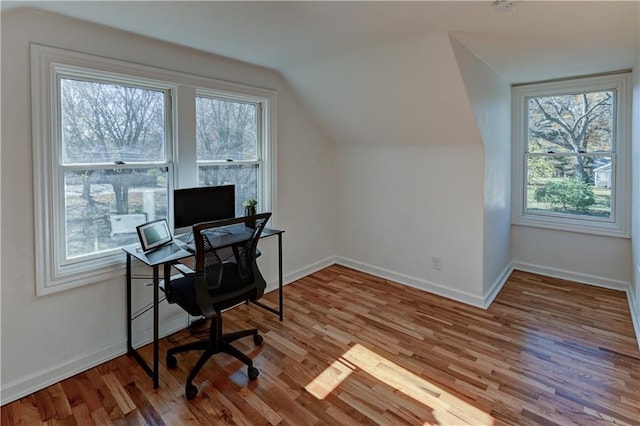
203 204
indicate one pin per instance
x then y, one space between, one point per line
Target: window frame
52 275
58 184
262 149
618 225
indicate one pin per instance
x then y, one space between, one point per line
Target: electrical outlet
436 263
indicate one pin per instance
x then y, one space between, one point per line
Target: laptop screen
154 234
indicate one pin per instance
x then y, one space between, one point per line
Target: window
571 154
112 139
113 165
228 152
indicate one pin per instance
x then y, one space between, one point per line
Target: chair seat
183 291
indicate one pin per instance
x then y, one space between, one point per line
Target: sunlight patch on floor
446 408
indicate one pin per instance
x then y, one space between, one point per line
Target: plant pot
251 211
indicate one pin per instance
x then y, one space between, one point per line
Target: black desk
179 251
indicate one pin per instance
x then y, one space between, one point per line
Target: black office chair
215 286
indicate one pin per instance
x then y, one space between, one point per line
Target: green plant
249 206
251 203
565 193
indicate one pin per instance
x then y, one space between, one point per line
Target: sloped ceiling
539 40
356 64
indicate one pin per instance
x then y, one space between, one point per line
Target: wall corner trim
493 292
634 308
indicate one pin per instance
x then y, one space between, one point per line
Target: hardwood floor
356 349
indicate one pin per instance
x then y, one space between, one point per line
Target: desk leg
156 285
129 342
280 295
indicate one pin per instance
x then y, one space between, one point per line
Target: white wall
402 205
48 338
591 259
490 97
635 211
409 164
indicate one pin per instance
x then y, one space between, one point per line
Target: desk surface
178 249
167 253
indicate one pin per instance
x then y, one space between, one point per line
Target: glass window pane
571 185
244 177
108 123
103 207
226 130
571 123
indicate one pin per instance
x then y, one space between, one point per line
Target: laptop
156 241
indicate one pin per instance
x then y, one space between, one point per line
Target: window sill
607 229
51 280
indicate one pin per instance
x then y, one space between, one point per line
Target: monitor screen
203 204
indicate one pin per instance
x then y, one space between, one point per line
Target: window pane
571 185
108 123
244 177
571 123
226 130
103 207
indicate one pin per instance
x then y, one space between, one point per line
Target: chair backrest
219 286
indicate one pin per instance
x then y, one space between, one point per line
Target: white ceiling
380 73
540 40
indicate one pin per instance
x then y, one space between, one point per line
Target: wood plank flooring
356 349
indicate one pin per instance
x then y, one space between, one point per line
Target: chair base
215 344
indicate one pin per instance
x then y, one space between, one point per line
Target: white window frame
264 140
618 224
52 275
57 178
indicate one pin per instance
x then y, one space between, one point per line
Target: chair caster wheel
253 373
257 339
190 391
171 361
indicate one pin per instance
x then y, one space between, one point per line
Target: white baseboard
53 374
591 280
572 276
634 306
300 273
495 288
414 282
635 314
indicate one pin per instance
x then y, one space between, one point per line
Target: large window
571 155
228 152
113 164
113 139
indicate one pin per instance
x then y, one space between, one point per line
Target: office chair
215 286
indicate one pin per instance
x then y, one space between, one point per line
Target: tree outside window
569 139
103 154
571 152
228 152
113 158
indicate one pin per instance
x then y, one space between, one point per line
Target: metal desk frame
132 251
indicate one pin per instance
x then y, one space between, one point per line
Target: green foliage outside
566 193
569 137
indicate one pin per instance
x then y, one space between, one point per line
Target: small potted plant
249 207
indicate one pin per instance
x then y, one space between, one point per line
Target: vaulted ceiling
338 55
538 40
